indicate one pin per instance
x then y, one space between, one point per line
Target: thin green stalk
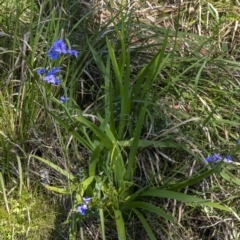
102 224
120 225
20 172
4 193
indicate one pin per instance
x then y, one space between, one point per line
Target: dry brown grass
195 19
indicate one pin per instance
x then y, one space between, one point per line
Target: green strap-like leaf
85 183
96 130
144 143
150 208
156 192
94 160
195 179
120 225
145 224
59 190
102 225
230 177
133 150
54 166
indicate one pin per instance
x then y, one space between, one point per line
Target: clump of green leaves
114 141
142 134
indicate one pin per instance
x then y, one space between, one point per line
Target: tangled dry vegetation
216 19
205 29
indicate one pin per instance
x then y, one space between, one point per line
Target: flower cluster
217 158
52 75
82 209
59 47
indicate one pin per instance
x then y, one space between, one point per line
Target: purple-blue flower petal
56 82
227 158
208 159
87 200
51 79
73 53
82 210
62 99
52 54
41 71
216 157
54 71
213 158
59 46
84 206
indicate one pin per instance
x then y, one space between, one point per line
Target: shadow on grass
62 207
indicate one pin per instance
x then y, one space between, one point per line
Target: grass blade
195 179
4 192
145 224
102 225
150 208
54 166
134 146
20 175
120 225
155 192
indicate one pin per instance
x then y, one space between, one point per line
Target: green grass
29 217
146 105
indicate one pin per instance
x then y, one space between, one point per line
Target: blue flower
41 71
59 46
209 159
87 200
82 209
73 53
57 82
238 141
54 71
52 54
51 79
214 158
227 158
62 99
50 76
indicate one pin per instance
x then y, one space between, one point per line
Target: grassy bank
119 121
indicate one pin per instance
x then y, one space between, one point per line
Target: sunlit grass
29 215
